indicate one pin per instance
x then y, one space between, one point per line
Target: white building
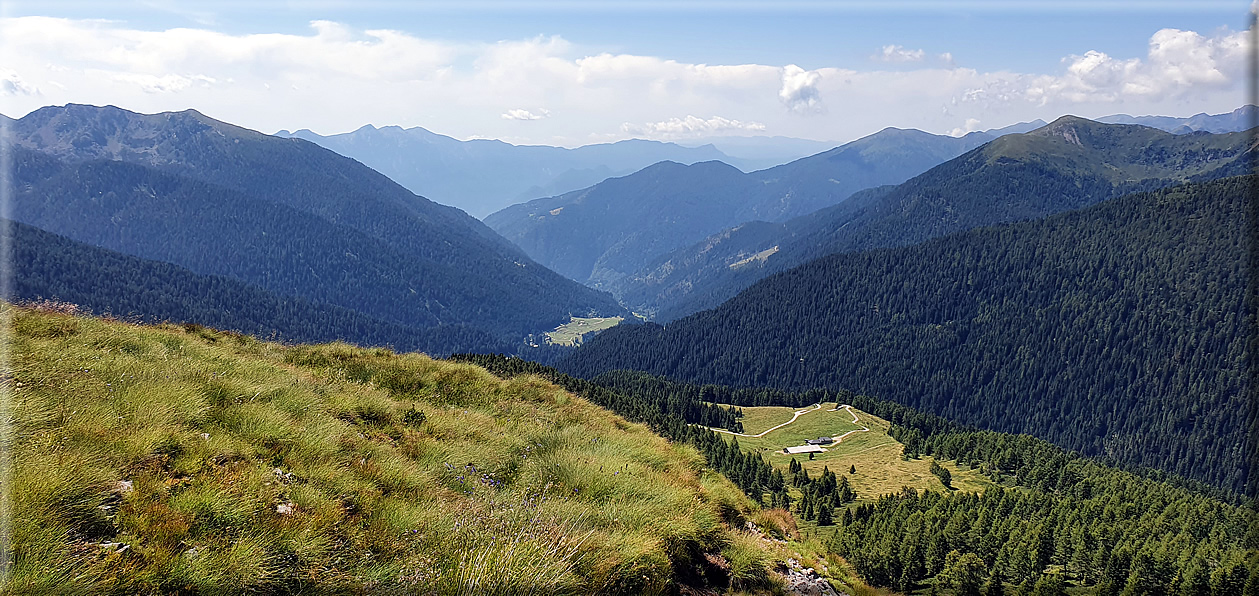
804 449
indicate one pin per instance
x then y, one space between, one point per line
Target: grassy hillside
179 459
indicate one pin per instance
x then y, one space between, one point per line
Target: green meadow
570 333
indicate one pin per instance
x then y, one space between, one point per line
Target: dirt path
769 430
863 429
798 413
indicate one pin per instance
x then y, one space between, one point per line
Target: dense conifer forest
54 268
1118 330
1055 517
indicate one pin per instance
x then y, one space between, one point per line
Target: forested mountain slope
1068 164
47 267
1116 330
282 214
1048 518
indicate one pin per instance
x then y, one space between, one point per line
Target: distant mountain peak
1068 120
1083 132
699 166
1067 127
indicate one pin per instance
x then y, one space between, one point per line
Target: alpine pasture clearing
874 453
570 333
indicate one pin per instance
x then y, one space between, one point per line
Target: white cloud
895 53
334 78
12 84
1178 63
800 89
519 114
163 84
690 126
972 125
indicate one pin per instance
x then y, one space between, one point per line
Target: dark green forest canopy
48 267
1118 330
1054 516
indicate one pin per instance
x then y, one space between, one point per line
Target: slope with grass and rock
163 459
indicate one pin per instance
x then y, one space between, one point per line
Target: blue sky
577 72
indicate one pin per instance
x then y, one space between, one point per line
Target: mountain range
481 176
964 300
453 172
604 233
1243 118
1066 165
285 215
669 241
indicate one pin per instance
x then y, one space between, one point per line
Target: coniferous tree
824 513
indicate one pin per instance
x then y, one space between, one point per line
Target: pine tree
824 513
1050 584
996 584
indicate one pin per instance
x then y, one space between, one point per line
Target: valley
912 363
1086 303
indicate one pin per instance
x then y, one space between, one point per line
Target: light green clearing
823 422
875 454
570 333
760 256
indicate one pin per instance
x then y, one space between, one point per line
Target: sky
572 73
